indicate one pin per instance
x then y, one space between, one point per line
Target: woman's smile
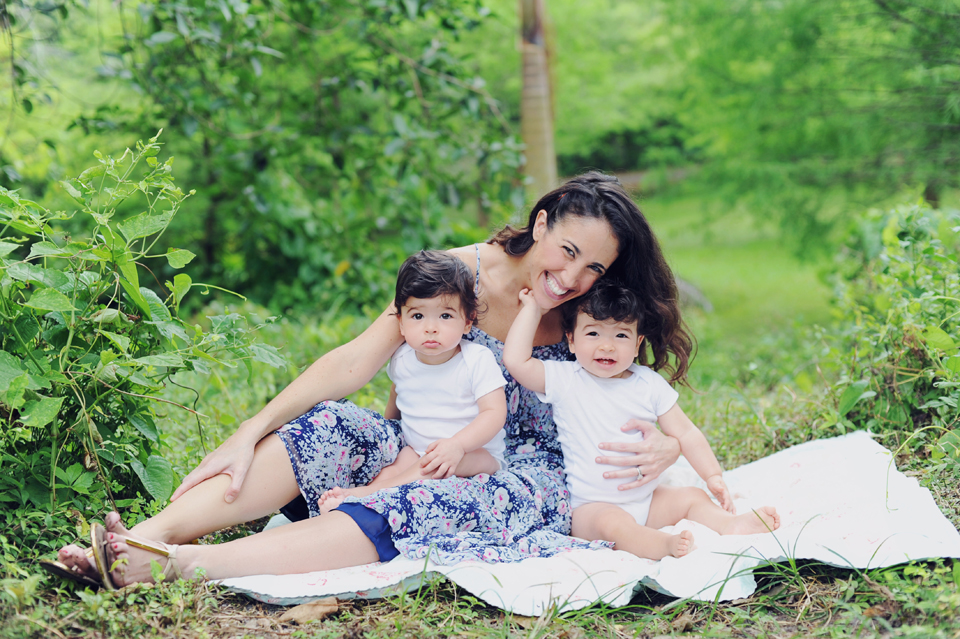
569 257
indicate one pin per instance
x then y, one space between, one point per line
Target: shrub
87 347
898 293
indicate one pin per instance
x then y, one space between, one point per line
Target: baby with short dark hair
447 391
592 397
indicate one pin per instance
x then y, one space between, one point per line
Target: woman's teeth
556 290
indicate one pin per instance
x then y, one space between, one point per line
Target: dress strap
476 280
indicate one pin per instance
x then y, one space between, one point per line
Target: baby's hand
526 297
440 459
719 489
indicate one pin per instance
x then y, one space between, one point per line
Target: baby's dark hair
604 301
430 274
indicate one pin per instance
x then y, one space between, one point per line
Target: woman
586 229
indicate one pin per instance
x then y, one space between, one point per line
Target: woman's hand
233 457
441 458
652 456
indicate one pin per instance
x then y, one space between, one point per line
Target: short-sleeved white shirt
589 410
437 400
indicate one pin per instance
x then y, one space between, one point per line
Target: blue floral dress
520 512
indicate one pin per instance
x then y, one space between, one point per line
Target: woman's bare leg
320 543
269 484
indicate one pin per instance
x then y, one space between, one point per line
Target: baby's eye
417 316
446 316
623 335
592 334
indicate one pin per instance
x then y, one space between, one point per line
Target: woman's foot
680 545
79 560
761 520
332 498
131 556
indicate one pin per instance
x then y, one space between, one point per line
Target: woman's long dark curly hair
640 264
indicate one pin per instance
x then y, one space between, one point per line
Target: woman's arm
518 347
337 374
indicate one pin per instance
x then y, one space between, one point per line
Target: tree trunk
536 110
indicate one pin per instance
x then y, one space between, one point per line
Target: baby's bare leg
612 523
407 457
670 504
476 462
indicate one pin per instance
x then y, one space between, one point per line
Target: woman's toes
113 524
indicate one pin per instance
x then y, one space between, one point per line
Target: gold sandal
58 569
99 543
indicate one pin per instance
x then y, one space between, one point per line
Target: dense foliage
899 296
90 338
326 140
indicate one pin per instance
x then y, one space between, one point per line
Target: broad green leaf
171 330
158 310
181 285
178 258
72 191
143 225
146 426
27 328
853 394
91 173
157 476
105 316
135 296
13 396
936 337
122 341
953 364
163 359
6 248
48 299
268 355
10 369
129 272
43 249
950 443
26 272
42 412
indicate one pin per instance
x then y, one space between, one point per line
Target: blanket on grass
841 501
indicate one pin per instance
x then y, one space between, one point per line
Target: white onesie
437 400
589 410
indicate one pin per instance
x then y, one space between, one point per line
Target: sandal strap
164 550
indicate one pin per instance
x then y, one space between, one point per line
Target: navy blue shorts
373 524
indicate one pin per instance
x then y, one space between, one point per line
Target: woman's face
567 259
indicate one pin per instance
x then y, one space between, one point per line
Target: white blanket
841 501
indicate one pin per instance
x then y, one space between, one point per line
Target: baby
447 392
595 395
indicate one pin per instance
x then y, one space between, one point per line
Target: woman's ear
540 225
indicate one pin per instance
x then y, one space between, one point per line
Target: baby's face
607 348
433 327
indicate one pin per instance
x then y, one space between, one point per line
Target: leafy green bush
87 348
898 291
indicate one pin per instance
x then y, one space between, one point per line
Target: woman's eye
570 251
596 269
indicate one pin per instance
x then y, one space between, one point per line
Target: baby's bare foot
680 545
331 499
761 520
